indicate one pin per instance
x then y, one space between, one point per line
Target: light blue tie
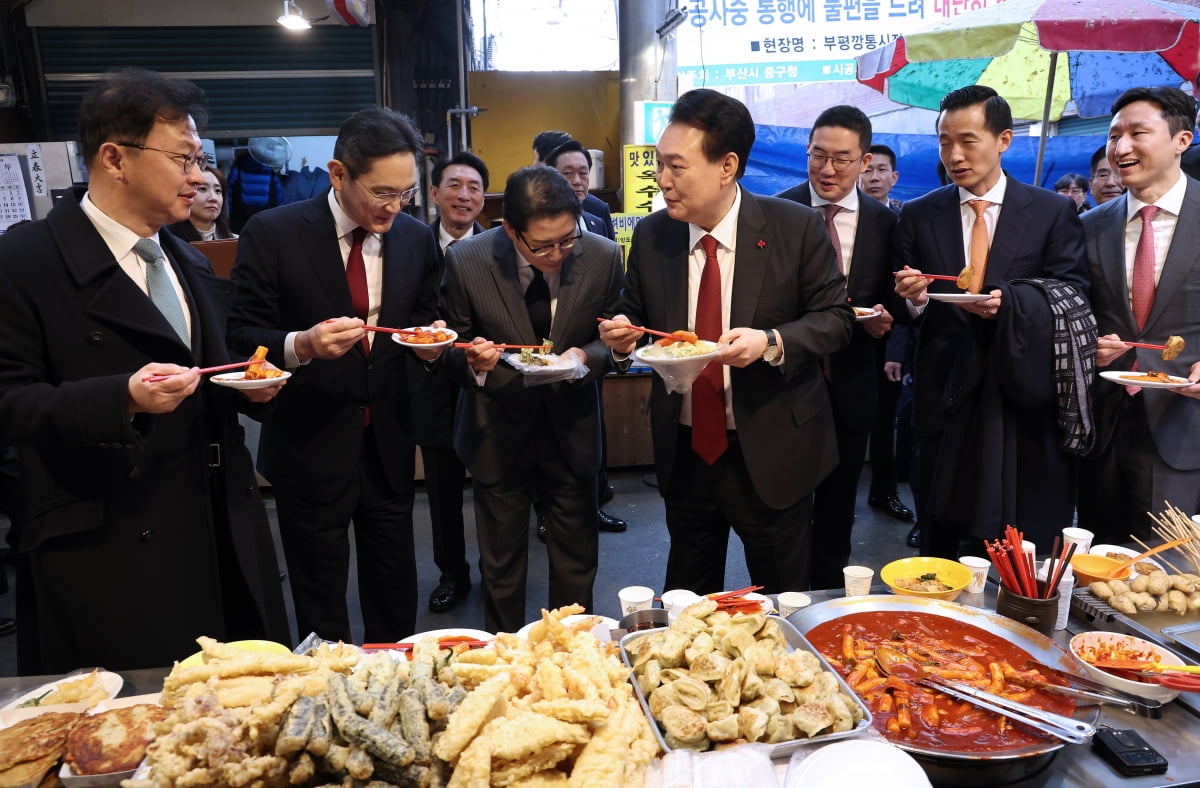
159 284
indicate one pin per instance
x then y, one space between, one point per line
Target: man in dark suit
987 367
537 276
457 187
1105 182
543 144
575 163
141 524
1143 252
837 156
746 446
339 447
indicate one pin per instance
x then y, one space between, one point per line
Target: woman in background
209 220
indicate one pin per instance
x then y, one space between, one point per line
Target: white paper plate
399 338
857 762
602 630
1105 549
237 380
477 634
958 298
555 367
111 683
1113 376
866 315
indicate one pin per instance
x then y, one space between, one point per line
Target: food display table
1176 735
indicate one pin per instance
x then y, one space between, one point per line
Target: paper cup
677 600
1080 537
791 601
858 580
635 598
979 571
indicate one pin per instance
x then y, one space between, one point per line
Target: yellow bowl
267 646
952 573
1089 568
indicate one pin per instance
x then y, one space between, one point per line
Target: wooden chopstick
643 329
203 371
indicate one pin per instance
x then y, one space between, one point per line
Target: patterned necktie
356 278
1143 278
537 301
979 245
830 210
162 293
709 440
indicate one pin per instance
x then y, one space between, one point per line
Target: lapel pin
761 244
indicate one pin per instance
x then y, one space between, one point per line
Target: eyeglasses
188 160
385 198
542 251
839 162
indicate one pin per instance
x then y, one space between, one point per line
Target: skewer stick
1145 546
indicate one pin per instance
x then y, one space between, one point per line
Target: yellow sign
639 184
623 224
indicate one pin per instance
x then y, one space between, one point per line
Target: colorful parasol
1042 54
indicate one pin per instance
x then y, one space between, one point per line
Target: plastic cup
677 600
1080 537
635 598
979 571
791 601
858 580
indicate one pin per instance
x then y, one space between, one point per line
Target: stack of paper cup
791 601
677 600
1081 538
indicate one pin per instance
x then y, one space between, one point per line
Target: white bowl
1083 642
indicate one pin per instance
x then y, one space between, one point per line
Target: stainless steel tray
783 749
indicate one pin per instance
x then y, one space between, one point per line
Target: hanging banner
757 42
638 177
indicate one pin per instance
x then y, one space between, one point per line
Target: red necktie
356 278
709 440
830 210
1143 277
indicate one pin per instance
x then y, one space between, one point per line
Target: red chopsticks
935 276
734 601
204 371
1016 568
448 642
643 329
502 346
386 330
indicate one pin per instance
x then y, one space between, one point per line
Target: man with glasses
1105 183
746 446
140 524
311 278
536 277
861 229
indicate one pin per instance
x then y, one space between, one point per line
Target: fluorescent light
293 17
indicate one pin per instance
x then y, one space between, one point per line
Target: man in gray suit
1144 254
537 276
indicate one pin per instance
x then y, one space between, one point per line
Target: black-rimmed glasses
188 160
542 251
839 162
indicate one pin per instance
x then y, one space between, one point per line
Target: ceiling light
293 17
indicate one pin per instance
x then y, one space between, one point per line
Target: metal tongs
1093 691
892 662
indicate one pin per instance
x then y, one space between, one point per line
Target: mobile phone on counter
1128 753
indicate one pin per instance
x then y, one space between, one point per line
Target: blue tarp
778 160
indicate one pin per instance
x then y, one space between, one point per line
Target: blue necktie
159 284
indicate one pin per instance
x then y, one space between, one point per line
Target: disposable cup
979 571
1080 537
635 598
677 600
858 580
791 601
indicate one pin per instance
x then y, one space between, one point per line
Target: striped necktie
162 293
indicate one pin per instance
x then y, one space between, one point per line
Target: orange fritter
113 741
35 737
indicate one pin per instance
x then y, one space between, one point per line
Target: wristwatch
772 351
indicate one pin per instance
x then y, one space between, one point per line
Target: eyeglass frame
387 198
820 158
544 251
188 160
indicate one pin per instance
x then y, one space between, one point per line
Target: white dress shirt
845 222
120 240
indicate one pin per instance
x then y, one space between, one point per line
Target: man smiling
1142 252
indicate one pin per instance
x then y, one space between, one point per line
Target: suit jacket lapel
1180 256
672 265
1015 215
948 232
512 295
753 240
324 254
573 270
